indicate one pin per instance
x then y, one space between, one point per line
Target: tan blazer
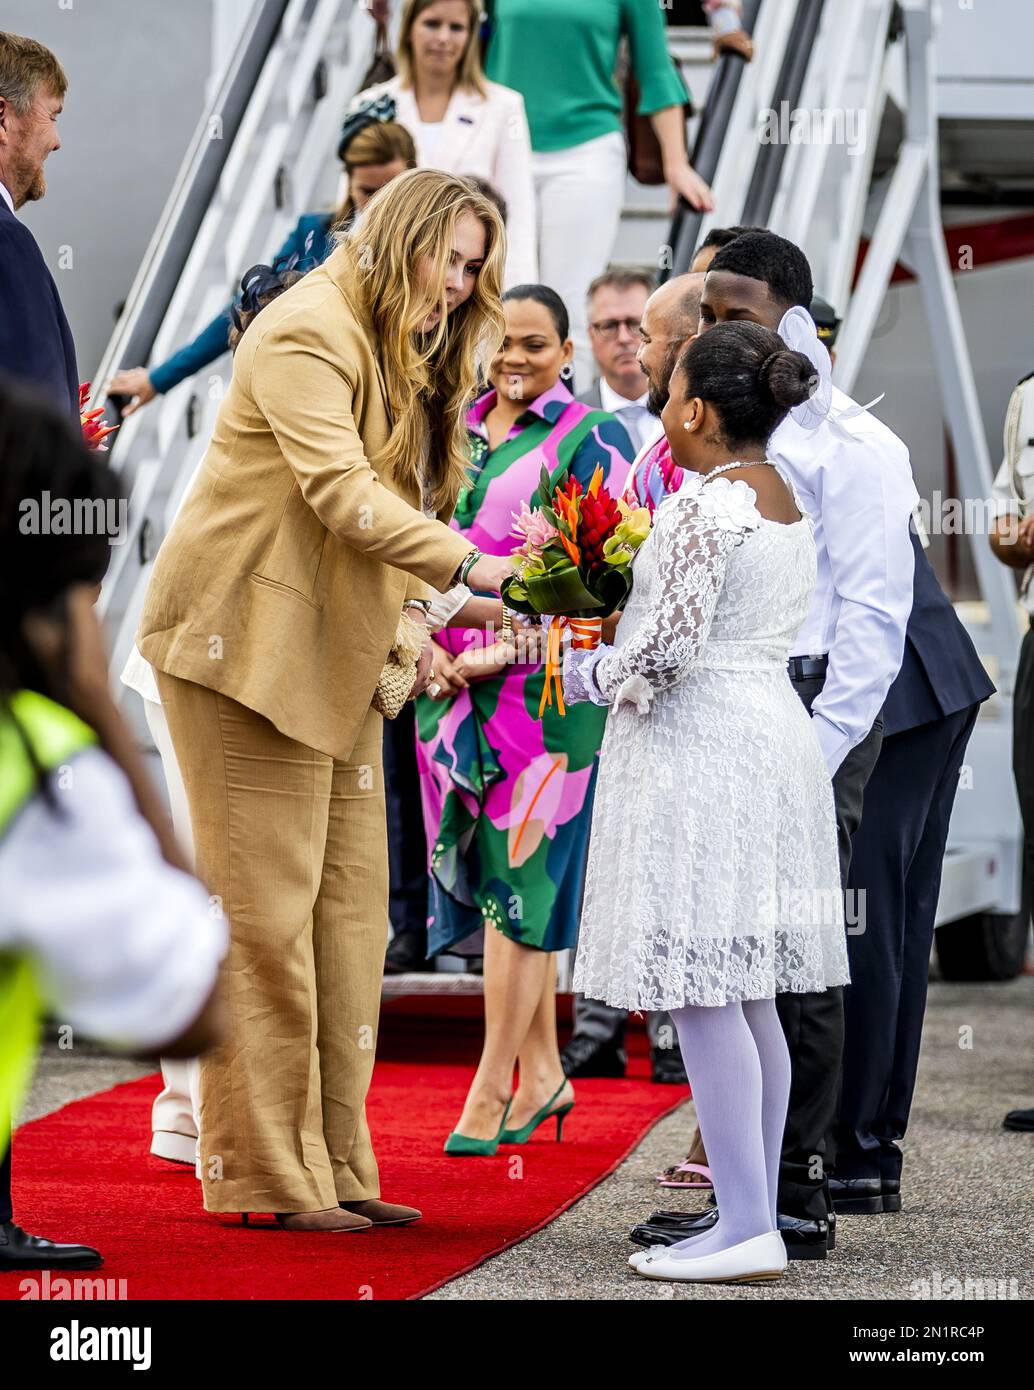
282 579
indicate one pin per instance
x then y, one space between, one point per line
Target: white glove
635 690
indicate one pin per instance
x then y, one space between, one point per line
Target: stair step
638 212
432 982
690 45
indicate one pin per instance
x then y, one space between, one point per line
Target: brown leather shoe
382 1213
333 1220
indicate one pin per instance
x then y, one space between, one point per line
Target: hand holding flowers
574 563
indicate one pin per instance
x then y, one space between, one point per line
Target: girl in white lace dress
713 880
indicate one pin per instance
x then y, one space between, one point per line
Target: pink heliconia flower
533 529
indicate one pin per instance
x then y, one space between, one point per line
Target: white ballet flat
763 1257
637 1257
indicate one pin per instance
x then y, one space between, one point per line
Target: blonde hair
430 379
26 68
469 74
380 142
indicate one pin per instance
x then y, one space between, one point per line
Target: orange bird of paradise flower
567 509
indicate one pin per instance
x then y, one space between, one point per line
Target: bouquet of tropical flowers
575 563
94 433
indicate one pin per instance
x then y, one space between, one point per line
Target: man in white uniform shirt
853 477
1012 540
616 302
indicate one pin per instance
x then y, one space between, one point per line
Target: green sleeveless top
55 735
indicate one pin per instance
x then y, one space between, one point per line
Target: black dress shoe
1022 1120
891 1189
805 1239
666 1068
407 954
18 1250
681 1220
858 1196
585 1056
674 1227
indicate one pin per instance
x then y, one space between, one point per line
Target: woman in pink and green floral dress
508 796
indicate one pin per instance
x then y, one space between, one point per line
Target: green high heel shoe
462 1146
522 1135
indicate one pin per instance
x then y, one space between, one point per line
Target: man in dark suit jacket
35 339
35 346
897 852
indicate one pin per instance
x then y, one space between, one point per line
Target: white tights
739 1068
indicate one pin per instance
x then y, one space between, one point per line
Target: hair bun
788 377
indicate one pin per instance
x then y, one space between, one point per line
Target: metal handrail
707 148
757 207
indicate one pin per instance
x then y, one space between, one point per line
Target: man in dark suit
35 339
897 853
35 346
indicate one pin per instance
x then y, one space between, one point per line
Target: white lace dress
713 873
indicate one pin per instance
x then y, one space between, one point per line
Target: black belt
804 668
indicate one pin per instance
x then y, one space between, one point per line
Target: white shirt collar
612 402
6 195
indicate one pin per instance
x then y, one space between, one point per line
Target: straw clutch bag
400 668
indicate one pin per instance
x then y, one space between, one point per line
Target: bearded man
35 340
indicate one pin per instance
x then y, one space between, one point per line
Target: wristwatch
424 604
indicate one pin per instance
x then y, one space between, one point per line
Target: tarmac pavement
968 1186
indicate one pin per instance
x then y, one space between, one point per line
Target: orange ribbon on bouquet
585 635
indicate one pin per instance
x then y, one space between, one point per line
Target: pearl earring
685 424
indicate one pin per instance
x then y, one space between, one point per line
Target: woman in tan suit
319 514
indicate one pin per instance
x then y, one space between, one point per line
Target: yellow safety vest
56 735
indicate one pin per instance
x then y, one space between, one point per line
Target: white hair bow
797 330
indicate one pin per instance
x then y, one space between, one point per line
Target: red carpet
83 1173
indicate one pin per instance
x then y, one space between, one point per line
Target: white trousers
580 193
175 1114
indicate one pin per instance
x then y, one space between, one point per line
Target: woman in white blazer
461 122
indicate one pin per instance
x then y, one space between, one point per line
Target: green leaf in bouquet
554 558
551 517
612 586
515 595
561 591
543 494
559 476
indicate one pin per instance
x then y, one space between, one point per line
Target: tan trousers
294 843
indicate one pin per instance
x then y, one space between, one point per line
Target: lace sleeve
692 551
579 685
